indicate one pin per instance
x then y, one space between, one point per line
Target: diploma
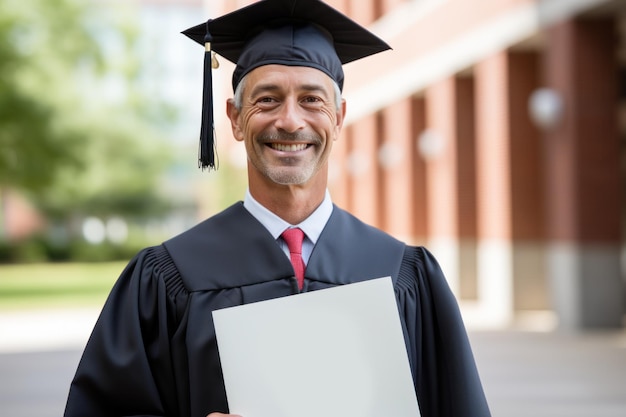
333 352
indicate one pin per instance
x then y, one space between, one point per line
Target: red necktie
294 237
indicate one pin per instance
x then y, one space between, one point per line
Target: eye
266 102
313 101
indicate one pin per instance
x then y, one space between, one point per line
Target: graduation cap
286 32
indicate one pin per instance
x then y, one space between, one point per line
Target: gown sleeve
126 369
442 363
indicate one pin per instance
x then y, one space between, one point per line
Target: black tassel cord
206 152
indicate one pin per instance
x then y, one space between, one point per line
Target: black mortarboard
287 32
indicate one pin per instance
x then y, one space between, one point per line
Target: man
153 350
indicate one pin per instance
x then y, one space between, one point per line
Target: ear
233 115
341 115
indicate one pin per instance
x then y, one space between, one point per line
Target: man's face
288 122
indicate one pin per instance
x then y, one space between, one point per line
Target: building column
582 173
451 180
466 180
395 159
364 170
494 247
439 146
530 289
418 174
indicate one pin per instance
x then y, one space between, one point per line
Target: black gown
153 350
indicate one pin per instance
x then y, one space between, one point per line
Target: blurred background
493 133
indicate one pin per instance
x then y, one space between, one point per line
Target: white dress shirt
312 226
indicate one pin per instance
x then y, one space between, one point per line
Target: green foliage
43 248
77 130
39 46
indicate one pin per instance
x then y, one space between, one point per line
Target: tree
72 147
39 47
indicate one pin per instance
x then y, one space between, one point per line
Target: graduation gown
153 350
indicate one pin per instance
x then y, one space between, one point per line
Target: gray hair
238 98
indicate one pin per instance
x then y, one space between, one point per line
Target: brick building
492 133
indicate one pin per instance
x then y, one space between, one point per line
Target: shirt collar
312 226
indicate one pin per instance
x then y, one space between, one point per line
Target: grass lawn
33 286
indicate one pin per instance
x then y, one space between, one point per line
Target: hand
222 415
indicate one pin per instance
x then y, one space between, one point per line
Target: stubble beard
291 171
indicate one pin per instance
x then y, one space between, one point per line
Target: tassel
207 154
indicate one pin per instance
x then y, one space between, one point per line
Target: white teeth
289 148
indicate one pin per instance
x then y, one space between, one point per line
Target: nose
289 118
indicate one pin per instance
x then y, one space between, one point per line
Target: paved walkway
553 374
524 373
44 330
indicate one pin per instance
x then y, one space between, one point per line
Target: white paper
334 353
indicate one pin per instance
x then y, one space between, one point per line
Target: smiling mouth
289 148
